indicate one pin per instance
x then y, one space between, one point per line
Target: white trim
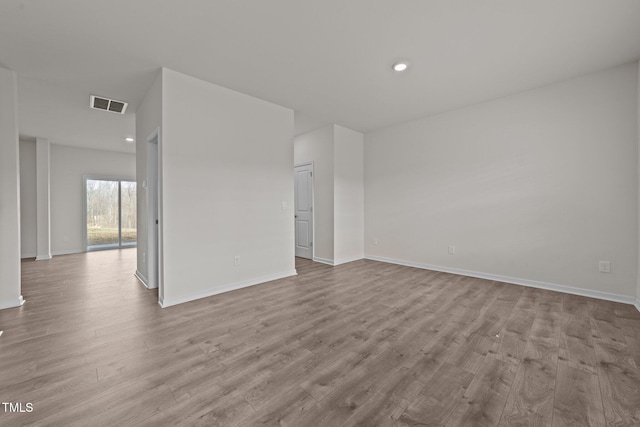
68 252
334 263
42 258
152 203
323 260
7 304
346 260
165 302
637 304
513 280
158 282
142 279
28 255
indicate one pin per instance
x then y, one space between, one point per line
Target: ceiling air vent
106 104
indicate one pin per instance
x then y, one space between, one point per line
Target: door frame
313 209
153 201
95 177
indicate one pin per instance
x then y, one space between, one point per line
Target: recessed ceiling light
400 66
129 139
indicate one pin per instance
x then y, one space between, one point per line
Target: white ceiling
330 60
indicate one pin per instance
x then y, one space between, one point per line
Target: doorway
110 213
303 215
153 211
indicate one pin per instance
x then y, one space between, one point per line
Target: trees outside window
111 213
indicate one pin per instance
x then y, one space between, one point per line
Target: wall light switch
236 260
452 250
604 266
284 205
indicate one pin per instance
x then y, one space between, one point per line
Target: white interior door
303 200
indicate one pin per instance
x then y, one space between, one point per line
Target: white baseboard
68 252
56 253
346 260
337 262
637 304
350 259
12 304
167 302
142 279
513 280
43 257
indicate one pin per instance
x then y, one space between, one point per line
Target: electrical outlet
604 266
283 205
452 250
375 242
144 257
66 238
236 260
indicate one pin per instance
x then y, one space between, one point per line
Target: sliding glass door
110 213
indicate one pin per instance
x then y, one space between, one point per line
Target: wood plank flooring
365 343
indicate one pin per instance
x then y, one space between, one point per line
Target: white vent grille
106 104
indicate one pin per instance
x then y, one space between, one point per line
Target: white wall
226 170
337 155
68 165
638 124
537 186
28 219
317 147
348 195
148 119
9 192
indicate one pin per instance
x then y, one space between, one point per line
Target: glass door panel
102 213
111 213
128 212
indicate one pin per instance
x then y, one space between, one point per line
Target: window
110 213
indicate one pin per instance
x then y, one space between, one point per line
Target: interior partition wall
109 212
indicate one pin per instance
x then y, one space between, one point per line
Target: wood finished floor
366 343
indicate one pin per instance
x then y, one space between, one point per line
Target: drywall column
9 192
317 147
348 195
43 198
237 151
337 156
